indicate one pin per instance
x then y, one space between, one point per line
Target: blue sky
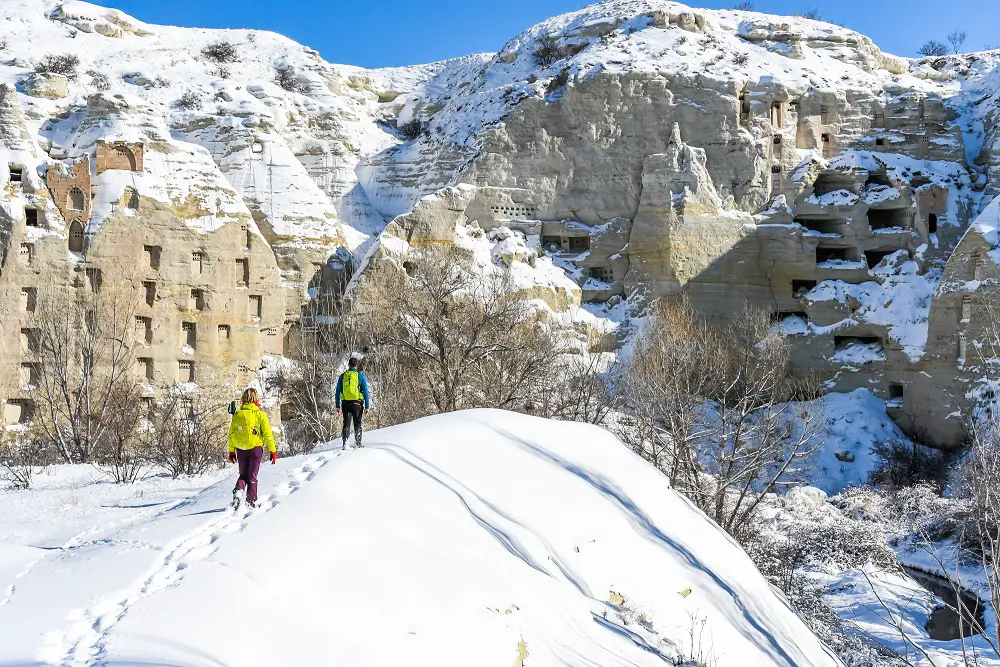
380 33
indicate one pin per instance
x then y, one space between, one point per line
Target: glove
232 457
339 411
274 457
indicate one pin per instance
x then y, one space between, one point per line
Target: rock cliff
639 147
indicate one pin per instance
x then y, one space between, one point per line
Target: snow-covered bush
413 129
64 64
288 79
188 101
99 80
221 52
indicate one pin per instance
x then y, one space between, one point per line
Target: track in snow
83 642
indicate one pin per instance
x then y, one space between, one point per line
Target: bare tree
957 38
714 407
467 339
306 386
745 5
932 47
85 341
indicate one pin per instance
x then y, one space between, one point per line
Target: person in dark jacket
352 400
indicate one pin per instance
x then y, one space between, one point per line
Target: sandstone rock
680 228
434 218
94 19
48 86
893 64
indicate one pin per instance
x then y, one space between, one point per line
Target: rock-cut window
76 200
131 199
76 236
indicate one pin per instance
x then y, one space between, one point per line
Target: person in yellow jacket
249 433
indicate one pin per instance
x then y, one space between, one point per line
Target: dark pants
353 411
249 463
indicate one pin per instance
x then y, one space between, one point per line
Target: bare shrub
65 64
21 455
745 6
98 80
288 79
307 384
121 453
812 13
221 52
557 82
711 406
186 436
413 129
188 101
580 390
548 51
741 59
84 359
933 47
905 464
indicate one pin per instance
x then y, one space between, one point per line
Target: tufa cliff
629 150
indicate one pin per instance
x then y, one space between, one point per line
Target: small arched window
76 236
76 200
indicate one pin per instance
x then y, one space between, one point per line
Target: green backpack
351 388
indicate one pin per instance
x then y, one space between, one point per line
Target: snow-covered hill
477 538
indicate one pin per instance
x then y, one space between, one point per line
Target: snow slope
466 539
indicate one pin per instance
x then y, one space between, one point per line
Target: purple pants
249 463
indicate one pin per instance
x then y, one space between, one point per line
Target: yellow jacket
250 428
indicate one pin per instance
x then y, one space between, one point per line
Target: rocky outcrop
631 149
49 86
102 21
680 228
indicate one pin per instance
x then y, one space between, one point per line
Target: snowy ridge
565 548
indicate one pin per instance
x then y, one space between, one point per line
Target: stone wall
71 193
119 155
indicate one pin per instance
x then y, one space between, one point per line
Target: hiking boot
236 499
252 504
